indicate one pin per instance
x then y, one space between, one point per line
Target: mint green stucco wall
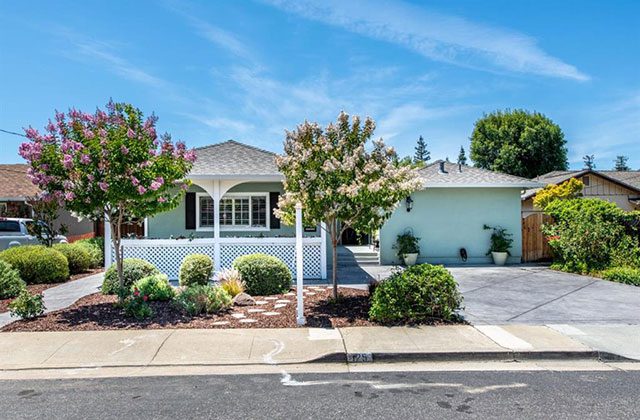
447 219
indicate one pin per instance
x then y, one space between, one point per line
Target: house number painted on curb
359 357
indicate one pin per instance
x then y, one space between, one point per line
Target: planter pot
500 258
410 259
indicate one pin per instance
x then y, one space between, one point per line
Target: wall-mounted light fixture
409 203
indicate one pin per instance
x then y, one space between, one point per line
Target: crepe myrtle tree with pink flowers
109 164
338 182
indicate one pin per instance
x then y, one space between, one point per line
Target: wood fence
534 244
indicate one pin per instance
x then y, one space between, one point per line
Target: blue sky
248 70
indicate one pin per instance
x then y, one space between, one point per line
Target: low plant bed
39 288
97 312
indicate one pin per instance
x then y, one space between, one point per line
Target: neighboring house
15 192
619 187
228 211
450 212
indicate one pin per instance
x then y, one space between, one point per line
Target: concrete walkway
66 294
138 348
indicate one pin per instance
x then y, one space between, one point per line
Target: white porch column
216 225
107 241
323 251
299 265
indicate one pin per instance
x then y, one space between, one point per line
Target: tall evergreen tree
422 154
462 157
621 163
589 162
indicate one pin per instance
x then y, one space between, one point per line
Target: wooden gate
534 244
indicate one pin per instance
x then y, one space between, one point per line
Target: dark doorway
351 237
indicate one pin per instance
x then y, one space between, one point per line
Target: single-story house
449 214
619 187
228 211
16 191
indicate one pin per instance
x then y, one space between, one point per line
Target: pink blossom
135 181
161 200
69 196
190 156
88 133
155 186
141 189
130 133
85 159
152 152
103 186
91 178
67 161
124 150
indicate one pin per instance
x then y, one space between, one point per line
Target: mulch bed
97 312
39 288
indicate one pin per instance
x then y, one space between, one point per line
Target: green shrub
419 293
27 306
133 269
263 274
95 248
137 305
201 299
10 282
195 269
77 256
156 287
37 264
624 275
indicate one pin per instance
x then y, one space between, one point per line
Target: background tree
589 162
108 164
621 163
462 157
518 143
422 155
338 181
45 214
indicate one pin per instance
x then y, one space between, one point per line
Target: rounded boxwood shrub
10 282
37 264
133 269
77 256
95 248
263 274
203 299
419 293
624 275
195 269
155 287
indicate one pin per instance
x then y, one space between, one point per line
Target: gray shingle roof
469 176
232 158
629 179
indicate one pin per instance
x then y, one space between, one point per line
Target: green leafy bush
95 248
195 269
27 306
500 240
133 269
37 264
10 282
589 234
419 293
624 275
201 299
77 256
156 287
263 274
137 305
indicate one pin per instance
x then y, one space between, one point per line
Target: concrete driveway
538 295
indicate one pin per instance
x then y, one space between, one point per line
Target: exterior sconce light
409 203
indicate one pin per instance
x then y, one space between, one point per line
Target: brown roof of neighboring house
628 179
14 184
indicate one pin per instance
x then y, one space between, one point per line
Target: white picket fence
167 254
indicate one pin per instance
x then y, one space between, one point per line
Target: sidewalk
59 297
139 348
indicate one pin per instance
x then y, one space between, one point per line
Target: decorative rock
310 294
243 299
261 302
247 320
221 323
283 301
255 310
271 313
238 316
279 305
290 294
271 298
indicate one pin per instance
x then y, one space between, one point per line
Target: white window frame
232 228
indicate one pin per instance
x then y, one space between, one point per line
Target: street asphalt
413 395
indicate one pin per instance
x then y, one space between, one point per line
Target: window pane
9 226
226 212
259 211
242 211
206 212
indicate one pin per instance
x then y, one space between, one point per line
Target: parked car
15 232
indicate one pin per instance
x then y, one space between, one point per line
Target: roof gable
232 158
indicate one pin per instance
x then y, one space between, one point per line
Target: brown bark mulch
39 288
98 312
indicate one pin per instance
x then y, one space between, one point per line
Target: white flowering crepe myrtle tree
338 182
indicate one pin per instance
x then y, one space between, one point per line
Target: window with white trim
237 211
207 219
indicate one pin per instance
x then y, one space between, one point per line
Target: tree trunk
334 259
116 238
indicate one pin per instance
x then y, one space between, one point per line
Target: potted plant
500 244
408 248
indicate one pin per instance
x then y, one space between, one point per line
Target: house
16 191
619 187
449 214
228 212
